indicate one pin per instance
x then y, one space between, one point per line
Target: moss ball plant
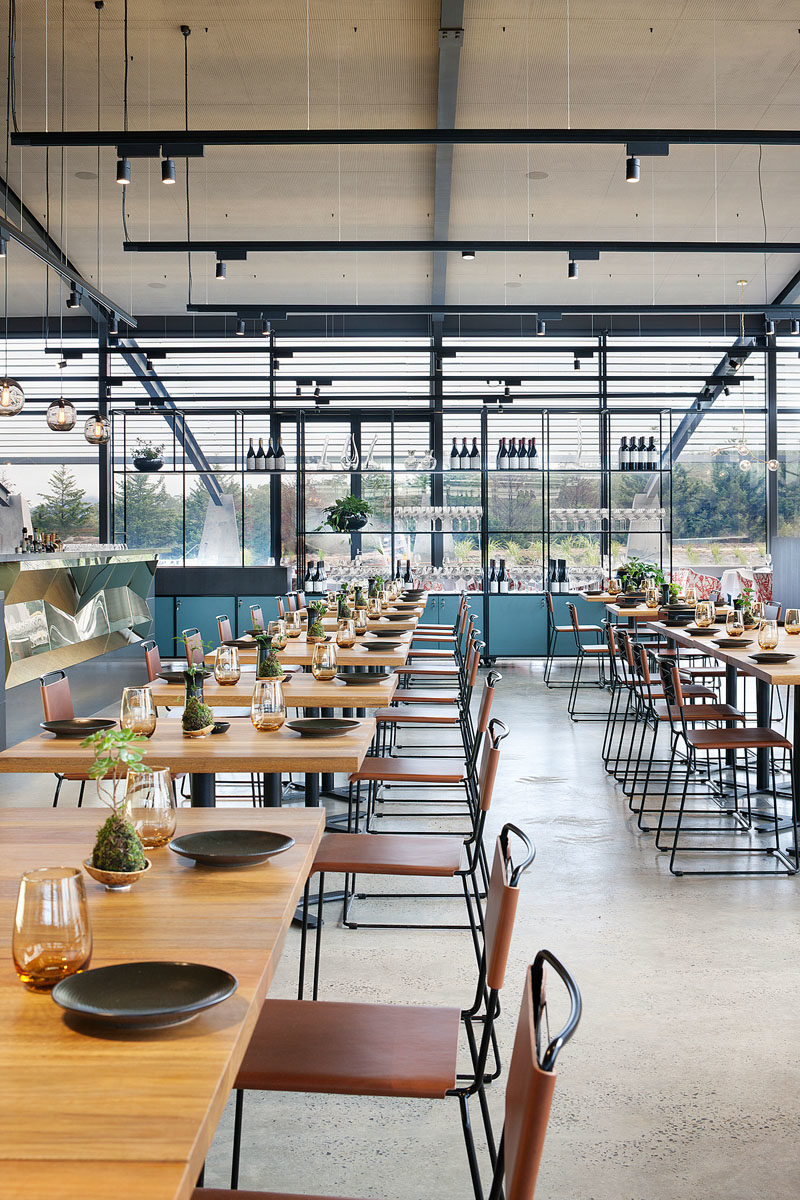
269 666
118 847
196 715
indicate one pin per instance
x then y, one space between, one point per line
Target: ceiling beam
578 250
279 310
451 39
644 142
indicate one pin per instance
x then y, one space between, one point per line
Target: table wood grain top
241 748
298 652
779 675
300 690
132 1114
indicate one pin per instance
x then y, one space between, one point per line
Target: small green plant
118 847
359 601
269 665
674 592
636 573
347 514
147 450
196 715
344 611
316 611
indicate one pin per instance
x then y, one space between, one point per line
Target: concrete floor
681 1080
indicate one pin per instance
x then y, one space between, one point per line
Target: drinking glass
792 620
151 804
768 635
690 594
383 599
613 587
734 623
704 614
346 633
137 711
277 631
227 669
373 608
267 708
759 610
52 937
651 596
294 624
361 620
325 660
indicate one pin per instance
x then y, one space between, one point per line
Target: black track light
769 327
572 269
72 299
3 245
632 169
316 391
298 391
123 171
576 365
167 170
265 327
794 328
222 269
726 389
540 328
113 329
148 364
240 327
468 255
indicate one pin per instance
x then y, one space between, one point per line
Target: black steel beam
545 311
451 39
441 244
154 141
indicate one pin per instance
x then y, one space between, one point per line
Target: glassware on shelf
52 937
734 623
768 635
323 458
137 711
277 631
369 461
294 624
325 660
791 621
704 614
267 708
150 802
227 668
349 459
346 633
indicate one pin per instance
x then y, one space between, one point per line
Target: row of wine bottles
271 459
517 458
464 459
315 581
557 575
405 575
498 578
641 457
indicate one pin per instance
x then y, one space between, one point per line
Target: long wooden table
298 653
300 691
122 1114
241 748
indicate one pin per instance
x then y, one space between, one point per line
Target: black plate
628 601
144 995
675 624
255 632
321 727
231 847
383 633
240 643
78 727
395 616
696 631
380 645
221 727
414 593
771 656
732 643
356 677
177 676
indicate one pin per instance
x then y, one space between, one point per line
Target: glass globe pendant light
61 416
97 430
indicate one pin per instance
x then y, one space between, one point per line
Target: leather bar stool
528 1097
391 1050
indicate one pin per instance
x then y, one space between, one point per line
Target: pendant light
738 442
61 416
97 429
168 170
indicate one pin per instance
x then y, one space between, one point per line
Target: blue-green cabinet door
269 607
517 626
200 612
164 628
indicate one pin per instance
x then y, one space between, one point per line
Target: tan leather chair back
301 600
490 759
501 908
224 628
473 662
257 616
57 699
193 645
152 661
281 608
487 699
529 1096
291 601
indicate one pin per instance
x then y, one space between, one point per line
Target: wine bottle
315 580
551 574
463 458
652 454
533 454
522 456
512 458
322 586
633 454
502 456
502 578
407 576
561 575
454 457
261 458
280 457
493 586
308 579
475 456
623 460
250 461
397 571
269 461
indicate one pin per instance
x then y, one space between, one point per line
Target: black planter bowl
148 464
353 524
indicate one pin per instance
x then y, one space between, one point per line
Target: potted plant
118 857
635 573
197 719
347 515
316 632
359 601
147 456
268 665
748 600
344 612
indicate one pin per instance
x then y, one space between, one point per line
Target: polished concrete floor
682 1080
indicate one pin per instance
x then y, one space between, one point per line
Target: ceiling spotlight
148 364
298 391
540 328
123 171
316 390
769 327
97 430
735 363
61 416
794 328
726 389
240 327
468 255
3 245
632 169
12 398
168 170
576 365
222 269
72 299
113 329
572 270
265 327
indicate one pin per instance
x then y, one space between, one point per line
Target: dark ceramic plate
396 616
357 677
673 623
732 643
255 632
382 633
231 847
381 645
240 643
771 656
177 676
322 727
78 727
413 593
695 631
144 995
221 727
628 601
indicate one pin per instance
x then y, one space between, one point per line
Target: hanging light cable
185 30
739 442
61 415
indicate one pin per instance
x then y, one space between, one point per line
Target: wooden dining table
299 652
300 690
130 1115
240 748
766 676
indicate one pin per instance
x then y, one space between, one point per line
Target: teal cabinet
269 607
200 612
164 625
518 624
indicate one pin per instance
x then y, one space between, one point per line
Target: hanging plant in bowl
347 515
118 857
147 456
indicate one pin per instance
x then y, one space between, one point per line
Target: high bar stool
593 652
553 630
